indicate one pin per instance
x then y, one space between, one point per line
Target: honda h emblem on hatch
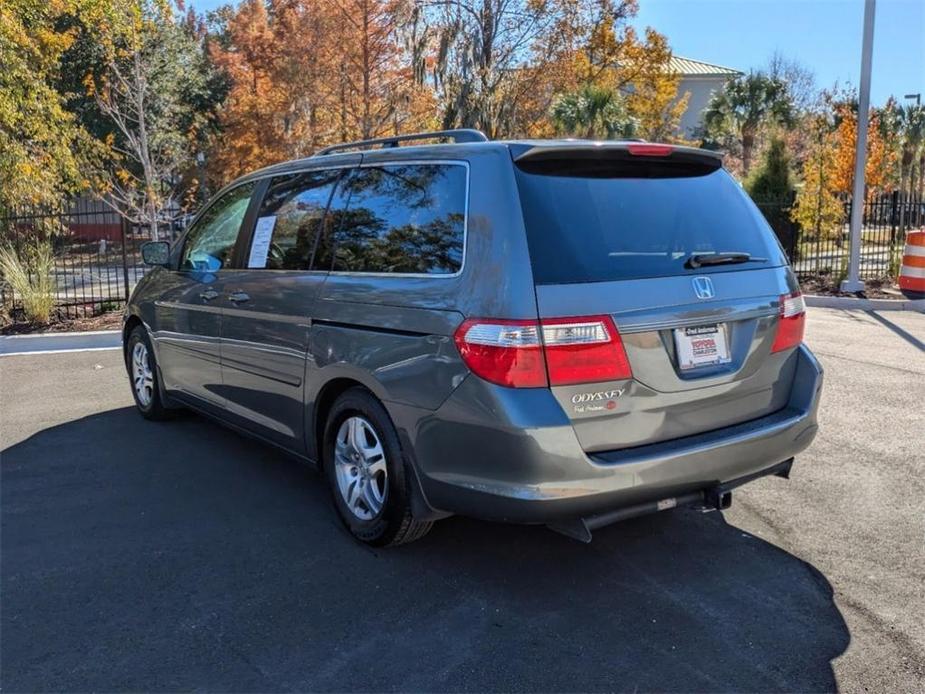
703 287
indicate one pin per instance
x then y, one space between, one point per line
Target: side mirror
155 253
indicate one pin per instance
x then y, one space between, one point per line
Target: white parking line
56 343
58 351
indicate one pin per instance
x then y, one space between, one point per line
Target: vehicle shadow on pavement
179 555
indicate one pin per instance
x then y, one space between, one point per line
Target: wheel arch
327 396
130 324
323 403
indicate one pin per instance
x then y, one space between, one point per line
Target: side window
211 240
401 218
289 220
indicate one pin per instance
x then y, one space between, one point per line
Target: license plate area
701 345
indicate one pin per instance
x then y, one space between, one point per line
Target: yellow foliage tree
817 208
654 98
41 144
607 53
880 159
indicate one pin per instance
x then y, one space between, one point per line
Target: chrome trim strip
677 317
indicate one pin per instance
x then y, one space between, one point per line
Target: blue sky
824 35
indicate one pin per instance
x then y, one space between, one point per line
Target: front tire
367 473
142 372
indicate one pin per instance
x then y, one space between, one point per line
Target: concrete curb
94 340
857 304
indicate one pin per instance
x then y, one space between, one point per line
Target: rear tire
143 376
368 475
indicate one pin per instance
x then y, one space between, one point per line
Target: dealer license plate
701 345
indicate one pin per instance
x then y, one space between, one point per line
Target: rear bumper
513 456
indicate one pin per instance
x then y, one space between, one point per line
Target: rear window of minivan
588 223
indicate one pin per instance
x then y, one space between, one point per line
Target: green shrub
30 275
108 307
771 186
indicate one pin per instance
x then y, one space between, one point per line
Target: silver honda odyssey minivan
559 332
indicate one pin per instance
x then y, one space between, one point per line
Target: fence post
123 226
894 215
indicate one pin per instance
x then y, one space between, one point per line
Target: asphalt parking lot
181 556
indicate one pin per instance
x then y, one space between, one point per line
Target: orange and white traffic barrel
912 274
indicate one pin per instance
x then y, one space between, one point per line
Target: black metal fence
97 255
815 253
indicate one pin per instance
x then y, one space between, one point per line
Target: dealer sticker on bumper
702 345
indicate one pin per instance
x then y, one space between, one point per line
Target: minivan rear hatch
661 241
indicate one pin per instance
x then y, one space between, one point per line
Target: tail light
584 350
505 352
650 150
791 323
531 354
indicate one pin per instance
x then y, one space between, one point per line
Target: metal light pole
853 283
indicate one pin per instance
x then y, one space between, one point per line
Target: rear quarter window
401 219
597 224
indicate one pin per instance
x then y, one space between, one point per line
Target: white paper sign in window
260 245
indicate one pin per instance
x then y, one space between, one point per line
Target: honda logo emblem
703 287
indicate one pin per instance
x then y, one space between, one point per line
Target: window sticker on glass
260 245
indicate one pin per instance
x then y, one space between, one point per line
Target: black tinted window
289 220
401 218
210 241
587 226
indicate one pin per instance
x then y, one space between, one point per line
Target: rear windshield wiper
732 258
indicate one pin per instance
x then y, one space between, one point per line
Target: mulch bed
111 320
873 289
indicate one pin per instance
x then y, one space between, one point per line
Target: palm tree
593 113
913 130
743 106
912 124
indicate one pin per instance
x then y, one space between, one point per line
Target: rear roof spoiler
623 151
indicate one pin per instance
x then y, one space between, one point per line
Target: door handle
208 295
238 297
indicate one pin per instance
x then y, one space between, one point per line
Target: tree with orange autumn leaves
881 160
828 166
296 75
305 73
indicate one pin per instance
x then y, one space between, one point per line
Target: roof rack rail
458 135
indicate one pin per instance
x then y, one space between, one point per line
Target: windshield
588 225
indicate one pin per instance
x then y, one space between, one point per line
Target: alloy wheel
359 465
142 375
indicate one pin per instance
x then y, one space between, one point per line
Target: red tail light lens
584 350
792 322
520 354
506 352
